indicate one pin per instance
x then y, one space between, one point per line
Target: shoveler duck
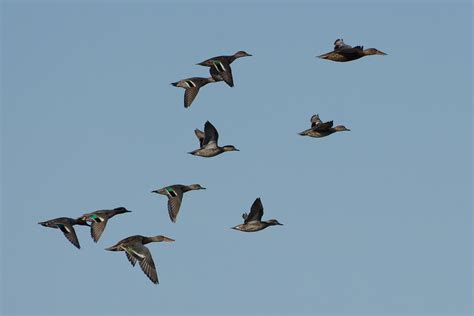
253 220
343 52
208 142
192 86
136 251
99 219
320 129
175 194
65 224
220 66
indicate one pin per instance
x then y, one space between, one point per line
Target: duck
192 86
136 251
175 194
319 129
253 220
66 225
99 219
343 52
208 142
220 66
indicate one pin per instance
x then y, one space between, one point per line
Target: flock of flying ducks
220 70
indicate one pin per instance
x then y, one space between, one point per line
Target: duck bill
381 53
166 239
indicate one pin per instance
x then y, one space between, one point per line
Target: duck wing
211 136
97 228
339 44
322 126
200 136
131 259
220 70
315 120
69 233
189 95
175 196
349 52
142 254
256 212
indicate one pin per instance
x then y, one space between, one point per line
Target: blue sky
377 221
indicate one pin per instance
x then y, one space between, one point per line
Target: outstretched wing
97 228
189 95
315 120
70 234
220 70
130 258
256 212
210 135
143 255
175 196
200 136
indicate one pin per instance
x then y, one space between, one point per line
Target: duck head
122 210
196 187
241 53
373 51
341 128
230 148
272 222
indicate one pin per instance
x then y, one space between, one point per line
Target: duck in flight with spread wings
65 224
192 86
208 142
175 194
220 66
135 250
100 218
253 220
343 52
320 129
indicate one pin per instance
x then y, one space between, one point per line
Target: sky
377 221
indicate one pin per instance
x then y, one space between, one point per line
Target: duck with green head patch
175 194
100 218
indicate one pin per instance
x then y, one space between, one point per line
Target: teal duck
175 194
99 219
343 52
220 66
253 221
320 129
208 142
192 86
136 251
65 224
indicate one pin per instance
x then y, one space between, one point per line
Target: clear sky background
377 221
